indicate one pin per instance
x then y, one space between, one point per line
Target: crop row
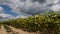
48 23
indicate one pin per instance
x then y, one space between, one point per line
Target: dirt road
3 31
14 30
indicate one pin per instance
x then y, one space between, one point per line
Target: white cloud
24 7
21 16
30 7
55 7
1 10
6 16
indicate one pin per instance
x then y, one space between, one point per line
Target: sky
11 9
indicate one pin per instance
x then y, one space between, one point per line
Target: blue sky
7 10
22 8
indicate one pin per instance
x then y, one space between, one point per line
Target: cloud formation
4 16
56 8
21 16
31 7
40 1
1 10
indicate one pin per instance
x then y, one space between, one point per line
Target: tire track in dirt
20 31
3 31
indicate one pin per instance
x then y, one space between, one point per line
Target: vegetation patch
46 23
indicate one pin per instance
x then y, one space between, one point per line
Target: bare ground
3 31
21 31
16 31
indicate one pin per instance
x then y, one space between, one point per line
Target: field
47 23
